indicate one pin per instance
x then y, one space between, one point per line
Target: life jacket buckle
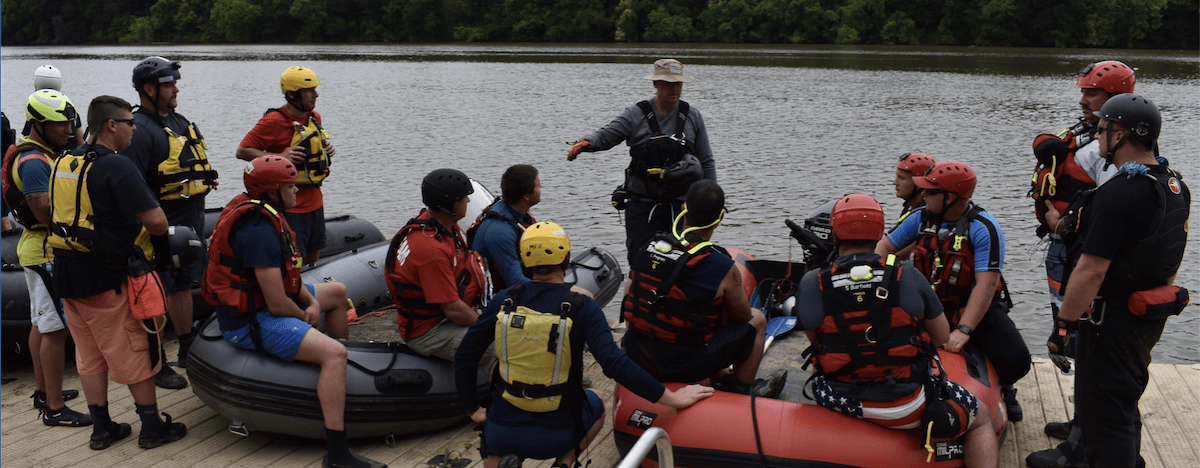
881 292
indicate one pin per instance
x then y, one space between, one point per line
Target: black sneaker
170 432
1012 406
358 461
114 433
169 379
1049 458
1059 430
510 461
39 398
771 386
65 417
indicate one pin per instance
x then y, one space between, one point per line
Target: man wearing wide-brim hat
669 148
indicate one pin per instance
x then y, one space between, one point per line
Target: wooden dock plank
1178 415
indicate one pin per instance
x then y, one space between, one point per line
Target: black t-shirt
149 148
1119 216
118 193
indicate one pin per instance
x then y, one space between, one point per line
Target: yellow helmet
48 105
297 78
544 244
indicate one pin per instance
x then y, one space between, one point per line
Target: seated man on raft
689 317
539 407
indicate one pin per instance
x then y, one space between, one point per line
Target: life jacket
312 137
539 354
74 227
488 213
949 263
1153 260
185 172
230 284
10 181
1060 178
662 168
866 338
656 306
414 314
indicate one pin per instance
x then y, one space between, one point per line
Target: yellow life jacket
312 137
186 172
73 220
540 355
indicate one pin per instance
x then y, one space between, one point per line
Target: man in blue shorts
554 416
261 303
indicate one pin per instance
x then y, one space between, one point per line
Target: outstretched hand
579 146
686 396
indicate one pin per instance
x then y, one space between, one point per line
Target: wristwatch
964 329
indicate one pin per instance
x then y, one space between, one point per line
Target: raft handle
656 438
238 428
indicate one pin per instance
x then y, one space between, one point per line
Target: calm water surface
791 127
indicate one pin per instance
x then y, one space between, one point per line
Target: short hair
705 200
104 108
857 243
519 180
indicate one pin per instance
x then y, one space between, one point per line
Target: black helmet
158 69
1137 114
442 188
186 247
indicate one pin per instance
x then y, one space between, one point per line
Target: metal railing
654 437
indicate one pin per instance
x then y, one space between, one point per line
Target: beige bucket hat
669 70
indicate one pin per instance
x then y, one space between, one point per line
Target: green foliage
1036 23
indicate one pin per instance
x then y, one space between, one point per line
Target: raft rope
928 439
754 419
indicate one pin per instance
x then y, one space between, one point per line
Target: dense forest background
1152 24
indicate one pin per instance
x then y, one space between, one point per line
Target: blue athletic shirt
546 296
980 238
496 240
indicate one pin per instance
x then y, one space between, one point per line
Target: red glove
579 145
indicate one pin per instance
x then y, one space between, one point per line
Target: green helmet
48 105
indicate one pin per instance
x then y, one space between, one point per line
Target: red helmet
1111 76
916 163
952 176
857 216
267 173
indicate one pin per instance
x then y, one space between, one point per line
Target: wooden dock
1170 409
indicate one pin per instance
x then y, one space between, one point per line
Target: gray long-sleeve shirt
632 128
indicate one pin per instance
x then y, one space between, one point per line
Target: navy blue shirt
546 296
118 193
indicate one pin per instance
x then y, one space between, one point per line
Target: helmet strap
1111 153
295 102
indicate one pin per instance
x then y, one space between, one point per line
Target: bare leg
95 388
332 297
981 444
331 383
491 462
35 353
179 308
52 359
745 370
143 392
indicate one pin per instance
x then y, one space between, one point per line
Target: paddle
778 326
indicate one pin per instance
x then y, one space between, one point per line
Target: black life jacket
1154 259
662 168
13 187
866 338
949 263
656 306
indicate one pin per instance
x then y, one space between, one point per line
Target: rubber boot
185 345
1013 407
104 430
339 455
155 431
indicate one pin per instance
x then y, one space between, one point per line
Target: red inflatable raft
727 430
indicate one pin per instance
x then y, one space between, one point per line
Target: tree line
1151 24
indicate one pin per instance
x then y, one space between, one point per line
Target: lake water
791 127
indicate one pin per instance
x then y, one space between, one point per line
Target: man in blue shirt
498 228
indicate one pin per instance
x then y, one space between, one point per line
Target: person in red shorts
294 131
435 279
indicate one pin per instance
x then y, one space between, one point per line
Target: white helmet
47 77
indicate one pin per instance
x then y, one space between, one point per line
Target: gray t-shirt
632 128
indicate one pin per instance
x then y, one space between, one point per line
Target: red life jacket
949 263
14 195
228 283
654 304
498 279
415 316
1060 178
866 338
